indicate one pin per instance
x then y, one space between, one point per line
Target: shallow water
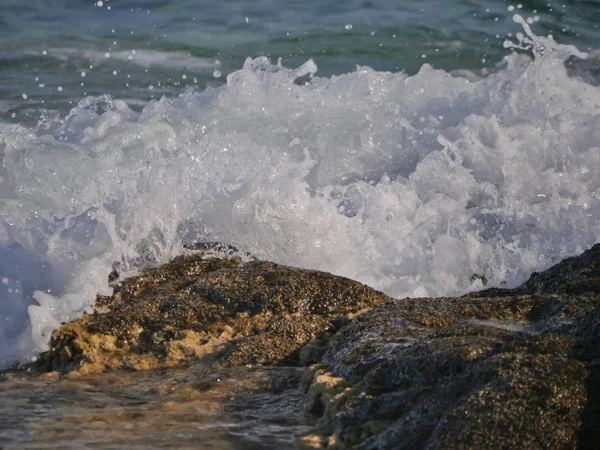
182 408
479 162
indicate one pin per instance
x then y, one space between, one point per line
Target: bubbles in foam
410 184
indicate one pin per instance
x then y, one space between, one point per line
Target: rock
495 369
241 313
575 275
516 370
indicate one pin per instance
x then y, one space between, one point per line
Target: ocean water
408 145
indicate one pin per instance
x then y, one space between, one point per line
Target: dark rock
519 370
571 276
495 369
252 312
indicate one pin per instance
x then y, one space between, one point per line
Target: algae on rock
494 369
252 312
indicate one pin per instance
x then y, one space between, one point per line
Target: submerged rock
499 368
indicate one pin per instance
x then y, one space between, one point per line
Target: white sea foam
410 184
141 57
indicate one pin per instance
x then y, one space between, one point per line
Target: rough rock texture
520 370
495 369
196 306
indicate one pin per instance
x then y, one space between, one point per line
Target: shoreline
328 362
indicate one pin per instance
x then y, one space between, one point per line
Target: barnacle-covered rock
199 306
495 369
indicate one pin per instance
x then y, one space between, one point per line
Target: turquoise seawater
54 52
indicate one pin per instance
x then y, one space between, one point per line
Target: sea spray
411 184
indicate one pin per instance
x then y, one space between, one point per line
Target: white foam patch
141 57
409 184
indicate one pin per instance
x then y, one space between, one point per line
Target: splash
540 44
412 185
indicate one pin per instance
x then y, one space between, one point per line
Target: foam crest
418 186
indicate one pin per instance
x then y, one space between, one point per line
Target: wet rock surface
241 313
295 357
495 369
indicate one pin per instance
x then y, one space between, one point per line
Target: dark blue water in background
54 52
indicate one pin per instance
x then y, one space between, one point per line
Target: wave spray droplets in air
409 184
